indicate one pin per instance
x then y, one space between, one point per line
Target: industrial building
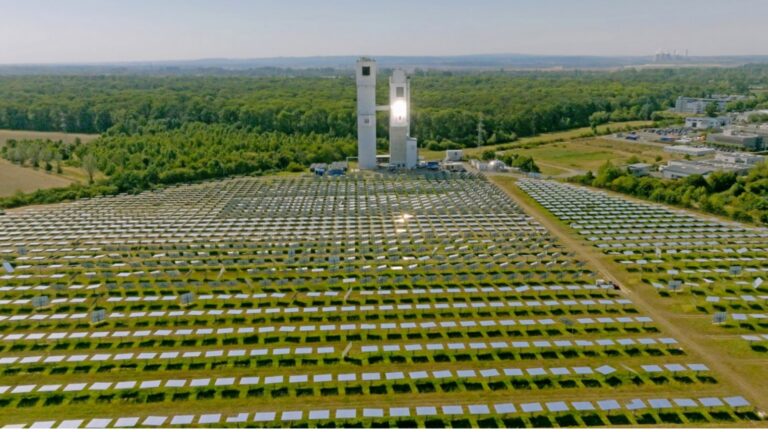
639 169
454 155
689 150
663 56
699 105
403 149
681 168
758 129
739 158
741 137
737 140
702 123
454 166
739 163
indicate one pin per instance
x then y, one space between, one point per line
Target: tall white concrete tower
366 113
400 144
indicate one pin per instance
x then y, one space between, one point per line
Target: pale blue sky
46 31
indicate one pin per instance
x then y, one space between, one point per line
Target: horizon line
328 56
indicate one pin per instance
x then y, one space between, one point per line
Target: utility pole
480 131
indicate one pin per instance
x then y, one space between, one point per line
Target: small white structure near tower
411 153
403 149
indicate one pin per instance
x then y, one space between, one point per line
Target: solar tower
366 113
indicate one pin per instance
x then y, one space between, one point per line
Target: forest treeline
159 130
193 152
743 198
449 109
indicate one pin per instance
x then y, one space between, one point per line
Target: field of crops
376 300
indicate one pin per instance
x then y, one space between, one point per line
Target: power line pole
480 131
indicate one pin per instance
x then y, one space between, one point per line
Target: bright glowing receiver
399 110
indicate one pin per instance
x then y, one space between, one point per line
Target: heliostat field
376 300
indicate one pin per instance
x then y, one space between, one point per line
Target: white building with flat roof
737 162
702 123
699 105
739 158
689 150
454 155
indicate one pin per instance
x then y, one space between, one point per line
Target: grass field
582 155
14 178
542 139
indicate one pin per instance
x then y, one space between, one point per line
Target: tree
607 174
103 121
720 181
525 164
598 118
89 165
57 159
33 152
487 155
711 109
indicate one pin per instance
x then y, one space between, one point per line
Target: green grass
543 138
589 154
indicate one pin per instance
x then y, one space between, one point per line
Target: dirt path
725 366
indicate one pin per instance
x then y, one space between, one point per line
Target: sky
94 31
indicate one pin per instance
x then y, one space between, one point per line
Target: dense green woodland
447 106
744 198
192 152
162 130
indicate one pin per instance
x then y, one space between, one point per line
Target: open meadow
542 139
15 178
588 154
